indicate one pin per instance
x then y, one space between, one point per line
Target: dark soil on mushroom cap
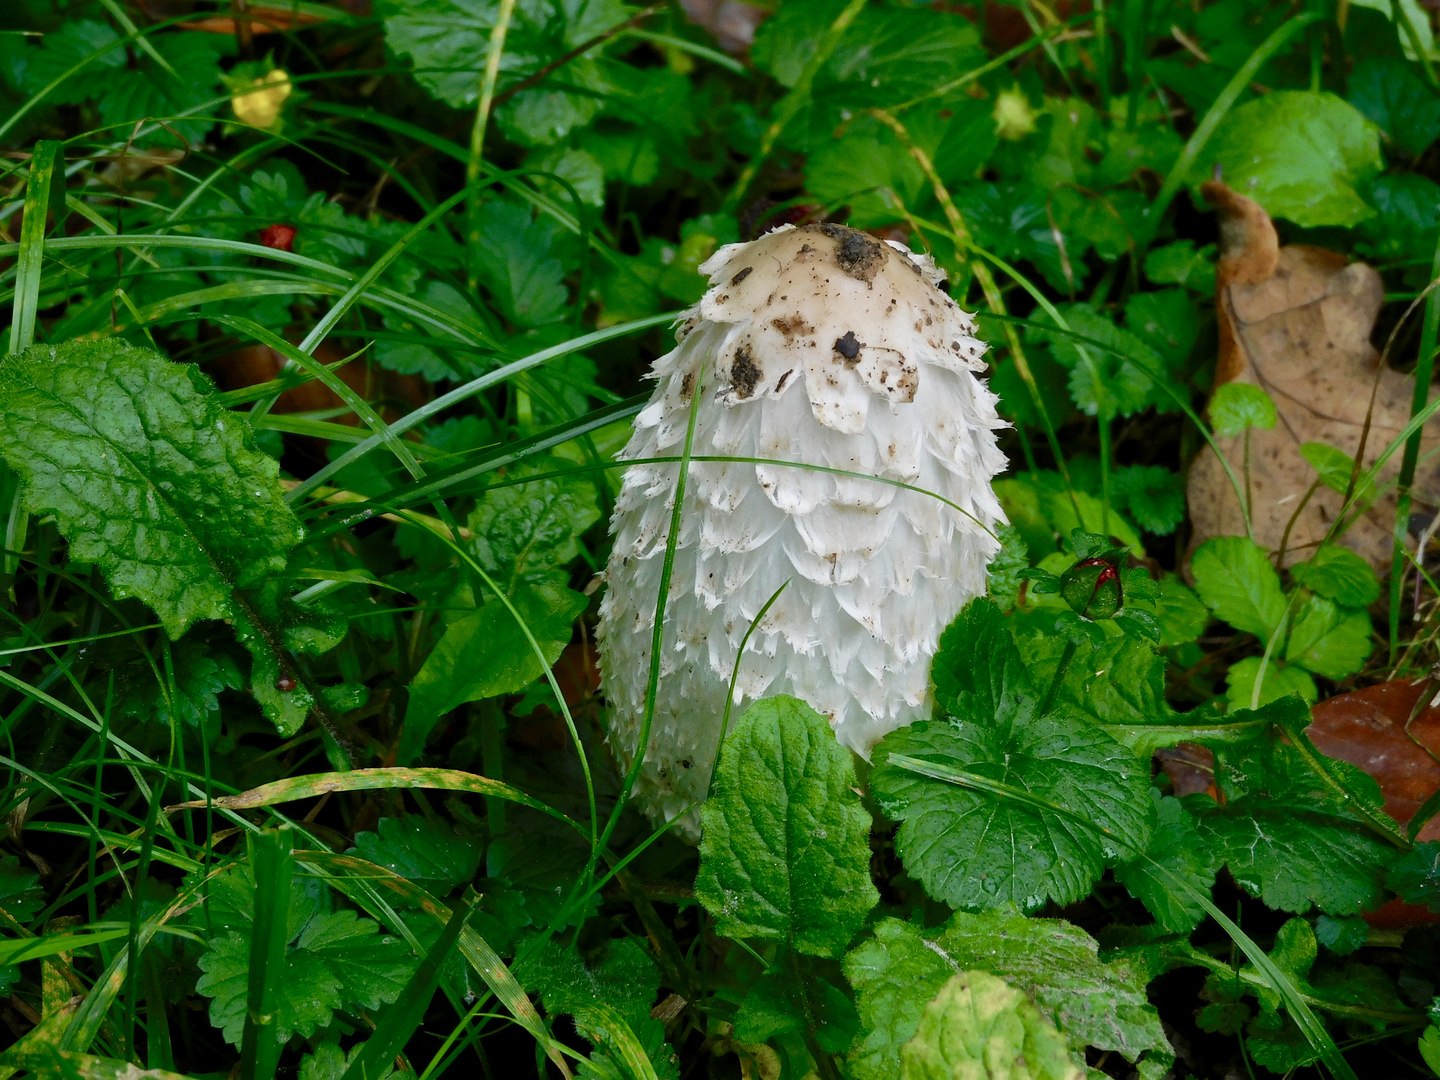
743 372
860 256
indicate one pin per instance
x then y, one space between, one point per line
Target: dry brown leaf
1296 321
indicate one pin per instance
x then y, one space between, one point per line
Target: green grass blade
272 863
47 166
401 1020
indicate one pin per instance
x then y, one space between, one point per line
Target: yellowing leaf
260 107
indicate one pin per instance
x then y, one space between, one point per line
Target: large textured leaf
145 476
979 1026
984 848
785 852
1177 847
896 971
1301 155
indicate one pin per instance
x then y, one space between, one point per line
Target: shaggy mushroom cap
815 346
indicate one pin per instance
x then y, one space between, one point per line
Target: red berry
280 237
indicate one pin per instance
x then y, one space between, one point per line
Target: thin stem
1065 658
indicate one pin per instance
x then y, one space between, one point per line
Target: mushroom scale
886 361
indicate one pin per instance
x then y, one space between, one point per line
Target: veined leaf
785 851
145 476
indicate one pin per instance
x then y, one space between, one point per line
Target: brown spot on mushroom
780 383
743 373
742 275
859 255
687 386
791 325
848 346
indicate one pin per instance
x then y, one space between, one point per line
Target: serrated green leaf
1182 616
978 1026
145 476
1152 495
1342 936
1017 843
1415 876
1328 639
1285 834
1301 155
784 851
529 531
427 851
1181 264
517 265
1234 578
1340 575
1175 845
1236 406
307 992
894 972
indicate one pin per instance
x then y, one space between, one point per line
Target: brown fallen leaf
1296 321
1367 729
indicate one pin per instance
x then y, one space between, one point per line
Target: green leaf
1175 845
529 531
1103 381
1302 155
1279 682
869 170
486 654
1430 1048
1342 936
1329 640
1181 264
1340 575
20 895
145 475
780 1004
425 850
1152 495
785 852
1286 835
984 848
203 670
518 266
307 992
977 1026
333 960
1392 93
1335 468
1415 876
1013 559
1234 578
1236 406
896 970
610 1000
1167 320
1182 616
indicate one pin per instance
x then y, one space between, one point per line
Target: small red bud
280 237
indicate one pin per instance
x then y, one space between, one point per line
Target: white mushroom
818 346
